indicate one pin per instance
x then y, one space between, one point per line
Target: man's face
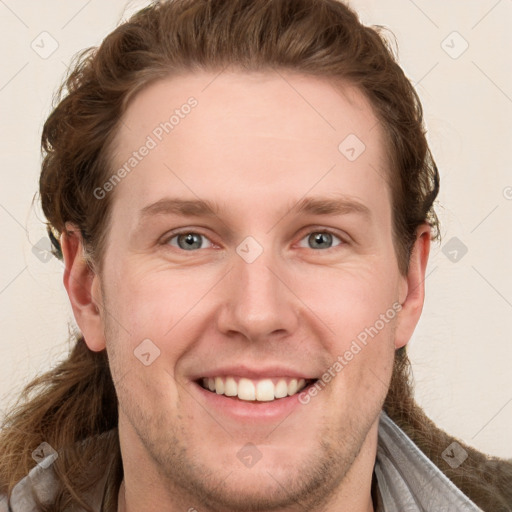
266 292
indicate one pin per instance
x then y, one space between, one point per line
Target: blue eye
188 241
320 240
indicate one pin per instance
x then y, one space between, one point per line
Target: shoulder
408 480
40 482
4 506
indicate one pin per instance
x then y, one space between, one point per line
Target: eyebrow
184 207
203 208
331 206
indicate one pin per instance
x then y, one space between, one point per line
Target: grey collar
408 481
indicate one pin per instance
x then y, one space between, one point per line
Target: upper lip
255 373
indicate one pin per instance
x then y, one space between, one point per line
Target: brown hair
322 38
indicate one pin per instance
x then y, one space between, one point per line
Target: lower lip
251 411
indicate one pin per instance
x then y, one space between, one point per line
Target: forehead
269 103
270 134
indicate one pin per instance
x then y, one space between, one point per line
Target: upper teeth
264 390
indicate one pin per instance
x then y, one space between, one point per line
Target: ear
82 285
412 289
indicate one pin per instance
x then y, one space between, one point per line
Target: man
245 244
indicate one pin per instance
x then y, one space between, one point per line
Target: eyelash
166 240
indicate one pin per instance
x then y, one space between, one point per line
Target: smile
261 390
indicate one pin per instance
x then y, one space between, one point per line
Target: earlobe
412 294
82 286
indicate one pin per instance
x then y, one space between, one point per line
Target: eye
191 240
188 241
320 240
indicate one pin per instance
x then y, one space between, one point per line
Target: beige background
462 348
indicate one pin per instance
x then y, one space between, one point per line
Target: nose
258 301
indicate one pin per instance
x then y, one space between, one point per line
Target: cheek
359 309
351 300
339 303
156 303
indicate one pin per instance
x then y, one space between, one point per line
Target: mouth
254 390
